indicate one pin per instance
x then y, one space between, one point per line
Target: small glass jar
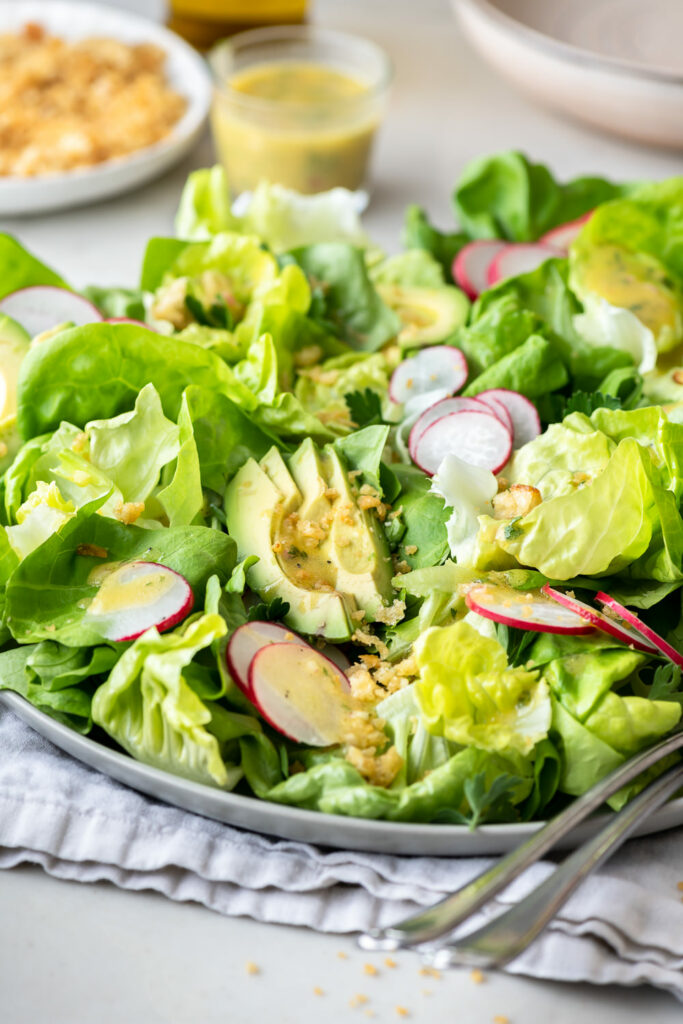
297 105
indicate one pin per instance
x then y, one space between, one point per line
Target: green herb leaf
365 407
273 612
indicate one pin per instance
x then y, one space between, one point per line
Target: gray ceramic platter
307 826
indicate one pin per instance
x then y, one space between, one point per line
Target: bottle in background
203 22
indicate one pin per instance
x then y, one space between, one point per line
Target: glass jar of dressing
297 105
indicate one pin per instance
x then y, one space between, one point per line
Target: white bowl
614 64
185 70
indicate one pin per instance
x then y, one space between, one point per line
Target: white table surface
77 954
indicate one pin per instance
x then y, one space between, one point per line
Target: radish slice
602 622
301 693
247 641
496 407
475 437
524 610
526 423
470 266
519 258
42 307
645 632
563 236
438 368
436 412
137 596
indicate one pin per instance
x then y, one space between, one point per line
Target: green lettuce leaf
48 593
419 233
285 219
349 305
415 268
204 208
148 706
324 388
598 529
68 704
533 369
22 270
469 694
98 370
117 302
508 196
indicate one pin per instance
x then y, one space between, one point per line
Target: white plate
615 64
185 70
308 826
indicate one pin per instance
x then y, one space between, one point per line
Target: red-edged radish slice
247 641
496 407
137 596
648 634
470 266
130 320
602 622
562 237
437 368
519 258
301 693
475 437
436 412
526 423
42 307
527 609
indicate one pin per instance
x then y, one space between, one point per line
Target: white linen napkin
624 926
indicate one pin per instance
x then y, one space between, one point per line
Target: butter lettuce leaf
285 219
469 694
349 304
149 707
204 208
508 196
48 593
420 233
20 269
598 529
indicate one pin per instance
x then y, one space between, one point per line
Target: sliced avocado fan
318 550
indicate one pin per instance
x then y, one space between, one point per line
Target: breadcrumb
430 972
358 1000
500 1018
342 955
477 976
679 886
252 968
370 969
318 991
128 512
402 1011
389 962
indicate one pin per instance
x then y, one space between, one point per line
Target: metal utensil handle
508 935
446 915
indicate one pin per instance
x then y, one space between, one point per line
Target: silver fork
445 916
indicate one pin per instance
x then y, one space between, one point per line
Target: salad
392 536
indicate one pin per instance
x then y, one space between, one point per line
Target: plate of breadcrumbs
93 101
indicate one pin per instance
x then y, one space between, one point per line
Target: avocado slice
317 549
14 344
428 315
275 466
631 280
255 510
357 543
